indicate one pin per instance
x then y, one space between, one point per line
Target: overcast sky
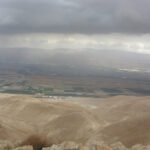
75 25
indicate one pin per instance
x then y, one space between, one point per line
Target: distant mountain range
70 62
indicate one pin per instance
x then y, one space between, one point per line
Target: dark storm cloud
74 16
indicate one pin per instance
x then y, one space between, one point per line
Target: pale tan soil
121 118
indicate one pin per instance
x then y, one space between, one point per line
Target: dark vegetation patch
139 91
1 81
47 91
37 141
116 94
78 89
21 83
7 84
111 90
18 92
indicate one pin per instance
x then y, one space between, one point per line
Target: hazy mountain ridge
93 63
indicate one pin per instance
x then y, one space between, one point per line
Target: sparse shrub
37 141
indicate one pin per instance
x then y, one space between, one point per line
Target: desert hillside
122 119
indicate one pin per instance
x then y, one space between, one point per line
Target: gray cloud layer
74 16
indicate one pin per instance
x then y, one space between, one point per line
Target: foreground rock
76 146
5 145
118 146
24 148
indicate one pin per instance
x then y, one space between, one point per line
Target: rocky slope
121 118
5 145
